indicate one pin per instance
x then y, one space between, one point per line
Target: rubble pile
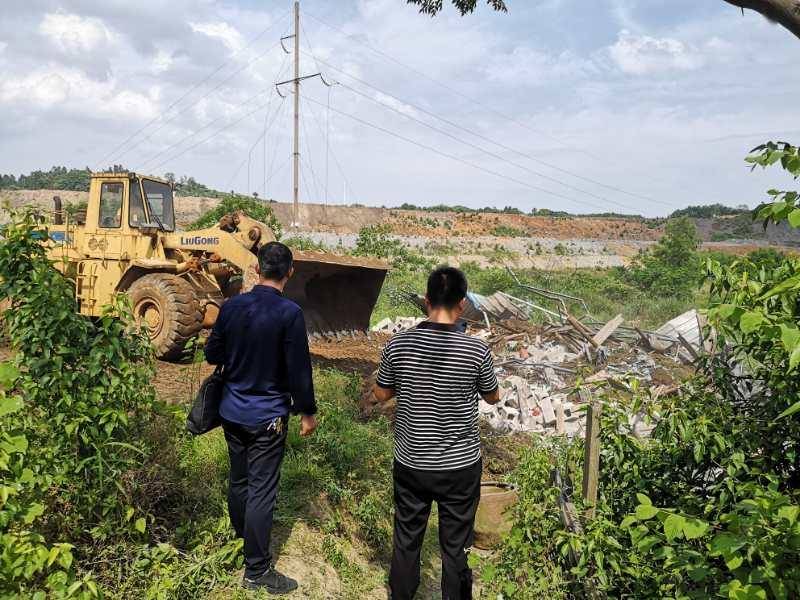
540 366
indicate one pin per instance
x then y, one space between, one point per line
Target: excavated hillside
348 220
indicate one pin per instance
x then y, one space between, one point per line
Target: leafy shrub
506 231
709 505
77 397
255 209
376 240
306 244
672 266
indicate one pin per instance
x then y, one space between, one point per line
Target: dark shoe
272 581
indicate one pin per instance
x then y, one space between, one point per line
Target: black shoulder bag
204 415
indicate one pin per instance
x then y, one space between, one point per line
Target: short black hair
274 260
447 286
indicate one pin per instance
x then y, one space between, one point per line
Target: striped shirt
437 373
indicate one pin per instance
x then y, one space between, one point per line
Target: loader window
111 205
159 199
136 213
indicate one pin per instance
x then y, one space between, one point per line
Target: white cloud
396 104
162 62
222 31
643 54
77 93
72 33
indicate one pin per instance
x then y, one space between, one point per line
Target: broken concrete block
548 413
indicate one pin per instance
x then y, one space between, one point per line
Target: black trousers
456 494
255 454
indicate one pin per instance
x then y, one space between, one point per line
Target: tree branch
785 12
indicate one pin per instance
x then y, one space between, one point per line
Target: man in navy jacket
260 339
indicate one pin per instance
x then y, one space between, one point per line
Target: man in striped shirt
436 373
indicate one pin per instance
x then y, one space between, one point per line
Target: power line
191 89
461 160
215 133
333 154
174 145
488 152
451 89
310 158
485 138
196 102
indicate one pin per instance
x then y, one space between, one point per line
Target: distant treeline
709 211
62 178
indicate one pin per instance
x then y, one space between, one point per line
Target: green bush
709 505
672 266
76 400
255 209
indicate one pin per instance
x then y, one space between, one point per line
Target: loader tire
168 306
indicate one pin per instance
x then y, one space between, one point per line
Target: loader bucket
336 293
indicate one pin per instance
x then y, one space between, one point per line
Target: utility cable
487 139
214 134
258 139
449 88
191 89
190 135
459 159
196 102
487 152
333 154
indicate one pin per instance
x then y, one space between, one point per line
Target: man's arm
385 382
215 345
488 387
298 363
383 394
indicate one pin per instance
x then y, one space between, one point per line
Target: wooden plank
591 457
607 330
581 329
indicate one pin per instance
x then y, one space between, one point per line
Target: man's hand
492 397
308 423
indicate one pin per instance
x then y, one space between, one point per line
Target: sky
631 106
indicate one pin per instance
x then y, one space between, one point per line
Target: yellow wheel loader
178 280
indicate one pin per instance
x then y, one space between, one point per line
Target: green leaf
647 543
749 592
725 543
9 404
643 499
673 527
750 321
8 374
628 521
34 510
789 513
785 286
790 337
694 528
794 218
790 411
140 525
725 311
646 511
733 561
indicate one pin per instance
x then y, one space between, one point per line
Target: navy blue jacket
260 338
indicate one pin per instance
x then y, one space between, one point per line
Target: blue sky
612 105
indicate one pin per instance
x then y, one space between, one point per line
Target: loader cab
122 207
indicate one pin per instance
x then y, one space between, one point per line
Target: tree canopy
432 7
